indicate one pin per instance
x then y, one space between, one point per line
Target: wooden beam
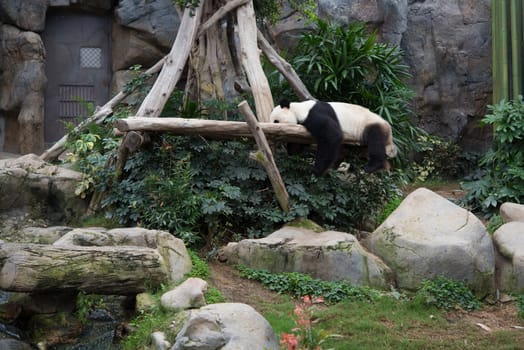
293 133
265 157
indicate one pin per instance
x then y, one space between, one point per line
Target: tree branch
284 68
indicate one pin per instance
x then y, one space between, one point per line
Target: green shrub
447 294
299 285
200 268
210 190
442 160
495 221
520 306
390 206
501 175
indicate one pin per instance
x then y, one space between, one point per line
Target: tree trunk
250 58
166 81
284 68
173 65
100 270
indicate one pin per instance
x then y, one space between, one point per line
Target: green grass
385 321
389 323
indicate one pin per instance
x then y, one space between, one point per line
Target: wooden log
265 157
99 270
173 67
250 58
221 12
284 68
294 133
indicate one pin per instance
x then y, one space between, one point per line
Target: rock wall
142 34
447 46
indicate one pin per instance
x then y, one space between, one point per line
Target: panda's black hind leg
375 139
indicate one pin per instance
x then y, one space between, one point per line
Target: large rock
157 20
22 86
428 236
227 326
190 294
447 46
330 255
509 239
27 14
512 212
31 234
129 48
389 16
40 188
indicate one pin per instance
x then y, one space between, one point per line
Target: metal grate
73 101
90 57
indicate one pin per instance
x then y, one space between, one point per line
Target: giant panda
329 121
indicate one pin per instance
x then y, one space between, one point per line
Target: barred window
90 57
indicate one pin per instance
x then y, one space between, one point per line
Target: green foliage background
500 177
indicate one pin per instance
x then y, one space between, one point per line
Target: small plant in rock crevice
85 303
520 305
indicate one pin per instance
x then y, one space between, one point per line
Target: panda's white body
357 122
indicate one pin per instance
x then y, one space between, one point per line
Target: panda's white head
283 113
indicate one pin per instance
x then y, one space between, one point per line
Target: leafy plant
390 206
85 303
157 319
213 296
200 268
447 294
441 159
299 285
520 305
305 336
89 152
501 175
495 221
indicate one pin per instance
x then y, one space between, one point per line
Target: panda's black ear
284 103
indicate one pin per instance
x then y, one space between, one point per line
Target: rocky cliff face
447 46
